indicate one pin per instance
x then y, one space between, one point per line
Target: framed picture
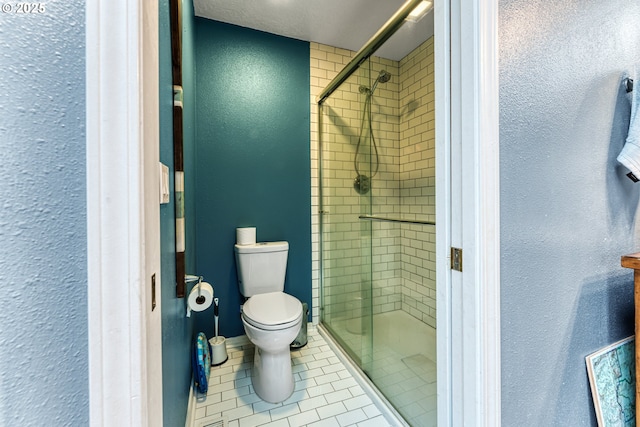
178 161
612 376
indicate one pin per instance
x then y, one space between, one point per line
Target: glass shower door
345 239
377 234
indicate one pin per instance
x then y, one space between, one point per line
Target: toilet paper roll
200 297
246 235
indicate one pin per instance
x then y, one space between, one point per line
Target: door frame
468 213
123 213
467 156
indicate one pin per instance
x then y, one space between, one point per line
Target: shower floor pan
402 364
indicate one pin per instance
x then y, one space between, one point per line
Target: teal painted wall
177 330
252 157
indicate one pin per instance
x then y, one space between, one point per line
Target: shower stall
376 126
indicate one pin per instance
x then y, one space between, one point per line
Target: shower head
383 77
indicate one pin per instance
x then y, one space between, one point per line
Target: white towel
629 157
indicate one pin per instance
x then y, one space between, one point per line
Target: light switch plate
164 184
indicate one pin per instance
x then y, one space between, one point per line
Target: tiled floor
402 363
325 395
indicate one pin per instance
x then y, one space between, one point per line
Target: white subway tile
304 418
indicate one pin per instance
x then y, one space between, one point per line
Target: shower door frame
467 212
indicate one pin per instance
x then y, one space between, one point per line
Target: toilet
271 318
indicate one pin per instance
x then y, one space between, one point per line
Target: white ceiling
348 24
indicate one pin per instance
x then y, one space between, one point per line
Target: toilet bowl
272 321
271 318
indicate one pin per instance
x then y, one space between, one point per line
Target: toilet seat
272 311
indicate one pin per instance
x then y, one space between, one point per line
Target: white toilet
271 318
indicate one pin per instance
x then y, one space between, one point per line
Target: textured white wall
43 274
567 211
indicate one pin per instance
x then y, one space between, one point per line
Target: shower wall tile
325 62
417 182
402 272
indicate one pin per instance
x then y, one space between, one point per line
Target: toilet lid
272 309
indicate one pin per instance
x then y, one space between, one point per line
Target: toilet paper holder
190 278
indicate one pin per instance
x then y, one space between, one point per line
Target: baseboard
191 408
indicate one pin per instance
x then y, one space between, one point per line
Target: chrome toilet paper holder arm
190 278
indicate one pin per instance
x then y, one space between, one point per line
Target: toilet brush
215 317
218 343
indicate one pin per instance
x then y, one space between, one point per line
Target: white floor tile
312 403
311 373
304 418
278 423
329 422
285 411
332 378
351 417
201 412
320 390
378 421
262 406
297 396
255 420
338 396
344 383
331 410
371 410
325 394
235 392
357 402
240 412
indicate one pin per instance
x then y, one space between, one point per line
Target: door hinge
153 292
456 259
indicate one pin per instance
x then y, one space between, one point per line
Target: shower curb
381 402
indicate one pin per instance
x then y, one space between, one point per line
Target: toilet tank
261 267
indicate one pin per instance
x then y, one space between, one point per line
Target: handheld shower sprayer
362 183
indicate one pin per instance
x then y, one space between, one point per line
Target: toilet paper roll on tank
200 298
246 235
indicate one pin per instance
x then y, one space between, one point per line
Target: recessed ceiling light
420 11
